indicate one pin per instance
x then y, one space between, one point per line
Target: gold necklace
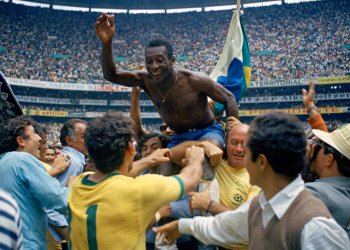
172 87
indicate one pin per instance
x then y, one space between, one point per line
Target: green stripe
69 223
182 185
246 57
91 227
87 182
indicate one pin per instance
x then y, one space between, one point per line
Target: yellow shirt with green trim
235 189
234 185
115 212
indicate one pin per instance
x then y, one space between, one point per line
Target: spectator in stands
24 177
109 143
275 154
331 163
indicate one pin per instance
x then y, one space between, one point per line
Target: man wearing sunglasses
330 160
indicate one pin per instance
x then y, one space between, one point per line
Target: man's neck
274 184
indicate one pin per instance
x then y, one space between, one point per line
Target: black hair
281 139
107 139
68 129
164 141
10 130
343 163
159 43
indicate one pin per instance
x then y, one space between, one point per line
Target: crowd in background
289 41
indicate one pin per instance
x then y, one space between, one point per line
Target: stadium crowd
297 40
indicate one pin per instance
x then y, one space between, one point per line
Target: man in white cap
331 162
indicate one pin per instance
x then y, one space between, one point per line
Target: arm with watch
315 119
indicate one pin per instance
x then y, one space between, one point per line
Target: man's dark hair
343 163
106 139
163 140
68 129
281 139
159 43
10 130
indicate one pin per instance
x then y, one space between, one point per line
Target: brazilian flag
233 69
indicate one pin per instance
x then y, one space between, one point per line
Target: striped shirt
10 223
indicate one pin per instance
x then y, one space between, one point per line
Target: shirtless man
180 96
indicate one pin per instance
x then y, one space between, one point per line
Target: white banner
46 100
94 102
296 98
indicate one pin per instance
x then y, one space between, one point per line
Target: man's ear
131 149
20 141
69 140
263 162
329 160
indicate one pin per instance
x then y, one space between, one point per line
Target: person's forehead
50 151
240 130
156 51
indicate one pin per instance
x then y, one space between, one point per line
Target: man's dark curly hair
159 43
106 139
281 138
10 130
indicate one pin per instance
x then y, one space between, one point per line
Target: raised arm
135 113
105 31
216 92
315 119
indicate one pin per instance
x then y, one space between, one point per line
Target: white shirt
231 227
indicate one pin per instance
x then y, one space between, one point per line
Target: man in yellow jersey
233 180
108 209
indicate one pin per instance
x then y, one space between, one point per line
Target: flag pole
238 3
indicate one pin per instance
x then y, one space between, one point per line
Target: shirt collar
283 199
74 152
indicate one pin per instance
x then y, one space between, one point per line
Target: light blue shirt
75 168
24 177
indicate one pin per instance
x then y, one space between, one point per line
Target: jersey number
91 227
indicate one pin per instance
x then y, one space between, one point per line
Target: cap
338 139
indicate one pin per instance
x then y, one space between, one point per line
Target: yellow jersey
115 212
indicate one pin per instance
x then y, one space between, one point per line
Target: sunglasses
163 127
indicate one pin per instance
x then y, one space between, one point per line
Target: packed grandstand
52 58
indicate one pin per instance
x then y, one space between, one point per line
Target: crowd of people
199 182
40 45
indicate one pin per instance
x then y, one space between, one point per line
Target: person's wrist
311 108
209 205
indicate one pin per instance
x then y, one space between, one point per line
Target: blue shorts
215 131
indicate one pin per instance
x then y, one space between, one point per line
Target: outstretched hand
309 96
200 200
168 232
105 27
159 156
193 154
213 152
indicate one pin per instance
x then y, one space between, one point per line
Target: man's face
235 148
252 167
77 141
49 156
31 142
150 146
166 131
43 146
158 64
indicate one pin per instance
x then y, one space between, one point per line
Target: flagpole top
238 4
